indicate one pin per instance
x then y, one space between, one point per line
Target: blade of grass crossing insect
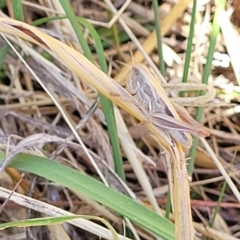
189 45
108 106
159 38
18 10
207 69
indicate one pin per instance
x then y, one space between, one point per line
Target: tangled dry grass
49 107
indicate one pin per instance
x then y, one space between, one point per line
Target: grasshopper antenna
132 57
125 64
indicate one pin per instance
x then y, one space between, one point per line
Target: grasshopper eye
138 77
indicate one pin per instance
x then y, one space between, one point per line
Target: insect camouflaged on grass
139 85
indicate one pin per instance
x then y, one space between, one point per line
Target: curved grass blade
45 221
95 190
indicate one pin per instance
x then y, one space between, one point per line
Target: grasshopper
162 109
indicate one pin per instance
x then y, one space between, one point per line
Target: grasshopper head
136 79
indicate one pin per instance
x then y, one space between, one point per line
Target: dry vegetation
52 110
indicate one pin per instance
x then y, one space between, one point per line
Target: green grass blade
71 17
220 198
106 103
115 35
18 15
207 70
168 207
45 221
189 45
95 190
3 3
192 154
44 20
18 10
97 42
3 53
221 195
185 77
108 106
